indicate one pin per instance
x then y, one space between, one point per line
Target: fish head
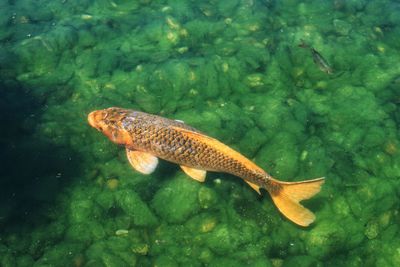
109 122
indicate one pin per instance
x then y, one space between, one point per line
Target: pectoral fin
254 186
143 162
199 175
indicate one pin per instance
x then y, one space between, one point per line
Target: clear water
234 70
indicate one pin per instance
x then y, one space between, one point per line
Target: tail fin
287 195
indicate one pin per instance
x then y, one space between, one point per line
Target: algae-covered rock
281 153
85 232
81 210
111 260
202 223
342 27
25 261
340 206
270 118
166 261
223 239
207 197
325 240
60 254
133 206
7 259
39 56
225 262
301 261
105 199
117 243
355 100
79 232
111 252
177 199
372 229
261 262
252 141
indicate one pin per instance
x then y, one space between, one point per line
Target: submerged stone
207 197
223 239
177 199
133 206
325 240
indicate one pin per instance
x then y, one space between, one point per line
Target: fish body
318 59
148 137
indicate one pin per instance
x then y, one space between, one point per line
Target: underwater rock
270 118
165 260
300 261
325 240
111 260
24 261
202 223
255 80
62 253
225 262
282 154
86 39
79 232
39 56
7 259
341 207
342 27
118 243
207 197
141 249
372 229
177 199
80 210
252 141
223 239
105 199
112 183
97 230
111 252
226 8
134 206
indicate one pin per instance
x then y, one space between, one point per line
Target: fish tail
287 195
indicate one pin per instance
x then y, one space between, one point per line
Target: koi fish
318 59
148 137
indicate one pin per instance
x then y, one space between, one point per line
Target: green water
232 69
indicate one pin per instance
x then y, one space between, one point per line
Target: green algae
232 69
181 193
134 207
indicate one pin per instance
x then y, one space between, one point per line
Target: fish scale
162 140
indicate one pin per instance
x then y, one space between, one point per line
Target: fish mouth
93 118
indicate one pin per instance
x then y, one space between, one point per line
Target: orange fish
148 137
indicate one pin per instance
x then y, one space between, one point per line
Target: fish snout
94 117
